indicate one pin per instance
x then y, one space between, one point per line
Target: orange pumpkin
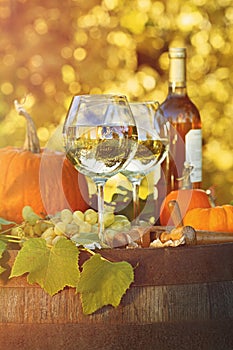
187 199
216 219
45 180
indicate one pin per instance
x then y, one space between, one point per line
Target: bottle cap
177 52
177 71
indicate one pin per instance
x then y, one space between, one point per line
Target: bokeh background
51 50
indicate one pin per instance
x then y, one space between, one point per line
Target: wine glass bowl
100 138
152 146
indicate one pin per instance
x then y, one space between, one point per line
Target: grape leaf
6 222
52 268
85 238
103 282
3 246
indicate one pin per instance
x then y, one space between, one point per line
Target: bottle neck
177 90
177 74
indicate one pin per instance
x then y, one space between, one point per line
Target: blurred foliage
55 49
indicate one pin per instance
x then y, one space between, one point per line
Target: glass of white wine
152 147
100 138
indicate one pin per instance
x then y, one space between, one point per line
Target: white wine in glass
100 137
152 147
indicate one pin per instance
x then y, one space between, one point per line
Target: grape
91 216
55 240
71 229
121 222
108 219
32 218
60 228
55 219
26 211
66 216
29 215
49 240
78 217
48 233
28 229
85 227
18 231
44 224
121 217
37 228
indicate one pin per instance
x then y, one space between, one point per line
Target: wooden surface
182 298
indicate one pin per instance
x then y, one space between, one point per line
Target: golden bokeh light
7 88
80 54
41 26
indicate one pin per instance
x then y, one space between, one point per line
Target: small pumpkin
187 199
216 219
42 179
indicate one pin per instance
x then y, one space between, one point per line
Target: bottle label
193 153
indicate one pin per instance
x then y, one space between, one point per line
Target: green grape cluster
68 224
32 226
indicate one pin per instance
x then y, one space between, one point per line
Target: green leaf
103 282
52 268
6 222
85 238
3 246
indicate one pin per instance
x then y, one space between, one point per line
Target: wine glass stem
136 202
100 194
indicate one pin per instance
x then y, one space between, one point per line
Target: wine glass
152 147
100 137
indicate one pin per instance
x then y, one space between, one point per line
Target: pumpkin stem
210 194
32 142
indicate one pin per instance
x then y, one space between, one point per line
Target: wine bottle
185 135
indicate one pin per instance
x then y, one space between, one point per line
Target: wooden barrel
182 298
